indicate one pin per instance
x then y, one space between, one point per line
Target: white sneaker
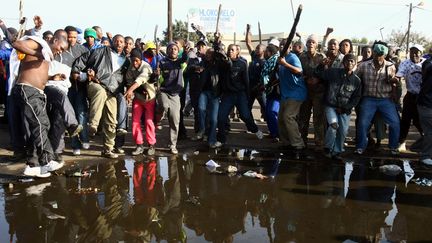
173 149
36 171
402 147
426 161
53 165
259 134
217 144
85 145
76 152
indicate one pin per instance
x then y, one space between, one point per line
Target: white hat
312 37
417 46
274 42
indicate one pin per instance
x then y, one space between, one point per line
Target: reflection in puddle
176 199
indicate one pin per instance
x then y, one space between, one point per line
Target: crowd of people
57 83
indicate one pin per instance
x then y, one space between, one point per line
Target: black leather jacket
100 61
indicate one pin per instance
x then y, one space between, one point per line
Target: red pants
148 108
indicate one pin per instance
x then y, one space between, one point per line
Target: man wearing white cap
410 70
310 59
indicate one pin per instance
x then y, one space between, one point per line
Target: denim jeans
228 101
262 101
208 106
122 114
335 137
368 107
78 98
272 111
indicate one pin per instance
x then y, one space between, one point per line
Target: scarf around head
268 68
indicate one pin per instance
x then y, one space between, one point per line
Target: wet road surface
180 199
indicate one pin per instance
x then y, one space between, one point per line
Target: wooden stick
218 17
259 33
290 37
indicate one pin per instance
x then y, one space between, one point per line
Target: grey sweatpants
170 104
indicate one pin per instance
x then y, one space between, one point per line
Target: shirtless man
35 55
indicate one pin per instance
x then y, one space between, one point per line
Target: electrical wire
139 17
369 3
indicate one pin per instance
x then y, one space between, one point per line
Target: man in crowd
378 79
293 93
141 85
171 84
316 89
410 70
78 90
235 87
90 38
59 108
334 57
28 93
424 106
343 92
103 69
122 111
255 68
193 73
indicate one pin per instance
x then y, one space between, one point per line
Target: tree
398 38
363 40
180 29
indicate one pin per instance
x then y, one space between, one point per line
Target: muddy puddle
245 196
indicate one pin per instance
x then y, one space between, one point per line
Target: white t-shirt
56 67
412 72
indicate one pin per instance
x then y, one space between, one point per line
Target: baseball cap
417 46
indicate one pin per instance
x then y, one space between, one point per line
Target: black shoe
121 132
74 130
118 151
19 156
301 154
139 150
337 157
92 131
182 136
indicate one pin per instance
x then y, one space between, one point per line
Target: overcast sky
349 18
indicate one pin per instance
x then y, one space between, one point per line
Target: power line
139 17
369 3
386 20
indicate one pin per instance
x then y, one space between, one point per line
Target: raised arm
248 39
292 68
28 47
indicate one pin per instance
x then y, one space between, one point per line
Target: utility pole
170 27
409 27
